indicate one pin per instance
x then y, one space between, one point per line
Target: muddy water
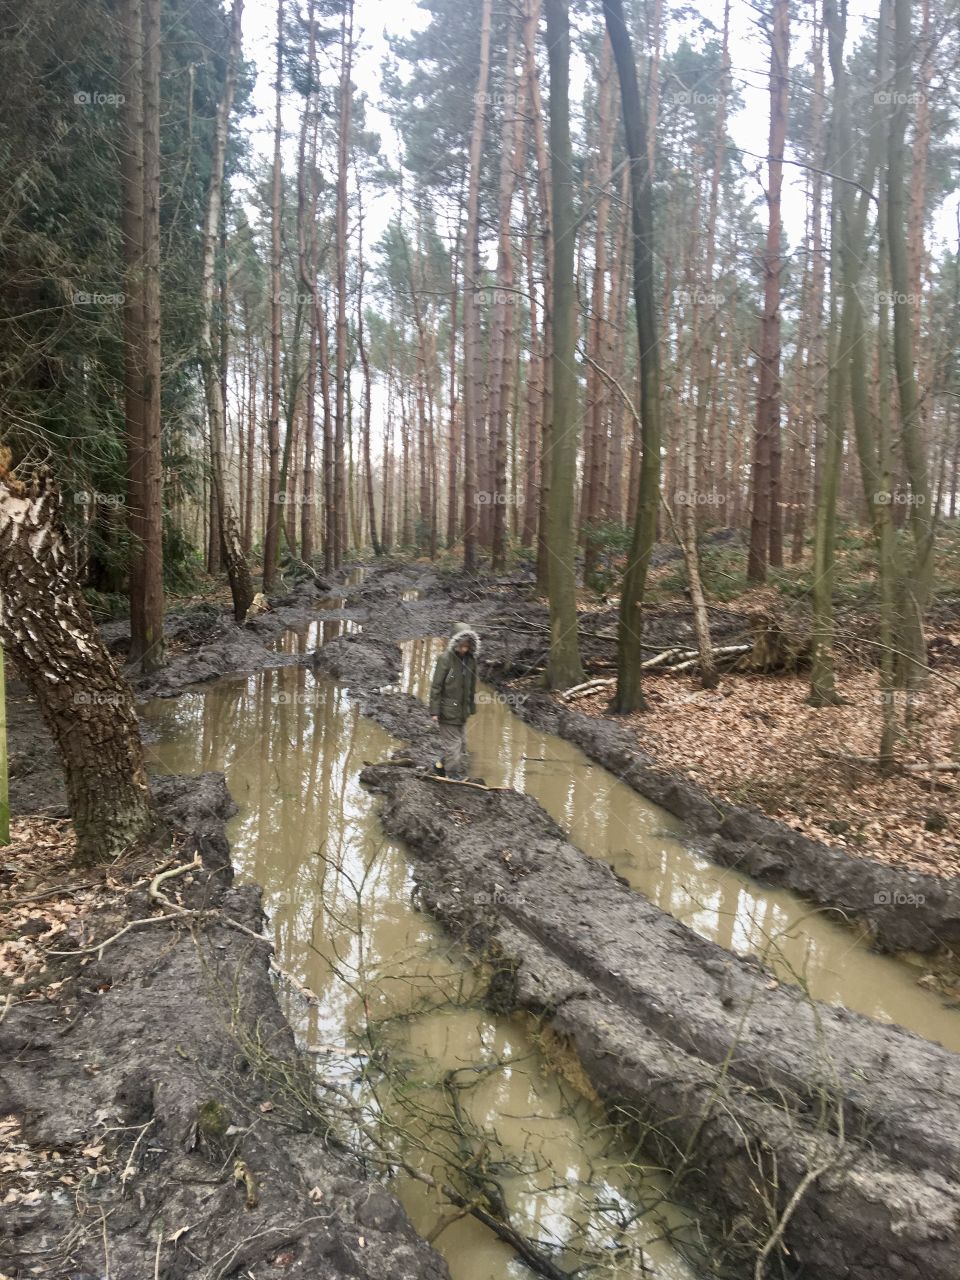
609 820
391 989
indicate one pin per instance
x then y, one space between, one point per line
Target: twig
807 1180
461 782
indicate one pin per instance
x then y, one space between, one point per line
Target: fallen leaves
756 741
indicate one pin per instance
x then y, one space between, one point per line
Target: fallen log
794 1117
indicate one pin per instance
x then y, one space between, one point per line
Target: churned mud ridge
160 1063
754 1092
903 910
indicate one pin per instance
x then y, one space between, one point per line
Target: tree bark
563 664
226 534
46 627
629 694
271 540
766 524
472 392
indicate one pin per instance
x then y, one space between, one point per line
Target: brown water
609 820
391 988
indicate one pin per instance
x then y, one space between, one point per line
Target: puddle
460 1084
611 821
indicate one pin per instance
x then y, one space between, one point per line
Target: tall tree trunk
152 470
271 541
546 224
629 695
46 627
307 239
922 513
592 497
766 524
563 665
134 345
226 534
342 229
367 385
472 393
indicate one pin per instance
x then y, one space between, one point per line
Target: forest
480 639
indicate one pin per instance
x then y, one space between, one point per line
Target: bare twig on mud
461 782
130 1167
172 911
808 1179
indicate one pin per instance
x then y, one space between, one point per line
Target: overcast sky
749 56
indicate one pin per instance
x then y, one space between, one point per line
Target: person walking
453 698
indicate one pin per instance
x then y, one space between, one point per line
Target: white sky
748 127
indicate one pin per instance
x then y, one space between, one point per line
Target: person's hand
435 719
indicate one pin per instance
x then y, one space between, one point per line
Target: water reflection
339 898
609 820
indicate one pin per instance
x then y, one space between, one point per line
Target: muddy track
751 1090
733 1079
859 889
181 1032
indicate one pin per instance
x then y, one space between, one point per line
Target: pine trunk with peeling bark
46 628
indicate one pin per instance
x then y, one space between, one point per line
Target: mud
745 1085
515 632
160 1064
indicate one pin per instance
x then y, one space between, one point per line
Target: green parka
453 691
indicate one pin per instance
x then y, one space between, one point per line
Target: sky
748 126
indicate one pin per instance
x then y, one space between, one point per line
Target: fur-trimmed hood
462 632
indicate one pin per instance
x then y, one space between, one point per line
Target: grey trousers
453 744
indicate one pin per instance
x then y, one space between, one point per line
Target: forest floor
74 1142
